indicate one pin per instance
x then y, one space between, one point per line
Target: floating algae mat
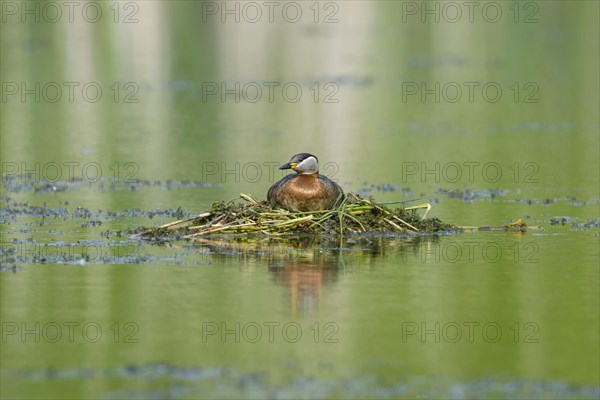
352 215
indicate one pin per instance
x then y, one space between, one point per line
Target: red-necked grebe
306 190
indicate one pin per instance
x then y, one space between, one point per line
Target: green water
490 121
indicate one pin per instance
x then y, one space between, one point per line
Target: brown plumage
306 190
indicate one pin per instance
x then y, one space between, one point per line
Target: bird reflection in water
303 265
306 274
306 266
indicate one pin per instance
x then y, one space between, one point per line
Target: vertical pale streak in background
449 41
80 66
281 51
349 52
85 131
244 55
149 66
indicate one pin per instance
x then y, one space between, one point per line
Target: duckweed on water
353 215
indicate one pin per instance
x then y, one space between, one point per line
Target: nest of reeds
352 215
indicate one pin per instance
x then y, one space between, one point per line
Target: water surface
88 312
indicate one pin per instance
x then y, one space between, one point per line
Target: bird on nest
306 190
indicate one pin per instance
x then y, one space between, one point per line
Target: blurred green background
488 110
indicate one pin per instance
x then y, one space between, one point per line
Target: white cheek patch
308 166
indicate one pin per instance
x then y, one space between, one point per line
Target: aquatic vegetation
352 215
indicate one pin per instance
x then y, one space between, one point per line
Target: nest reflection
308 266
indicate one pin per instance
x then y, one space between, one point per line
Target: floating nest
353 215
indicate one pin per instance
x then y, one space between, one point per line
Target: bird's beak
288 166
